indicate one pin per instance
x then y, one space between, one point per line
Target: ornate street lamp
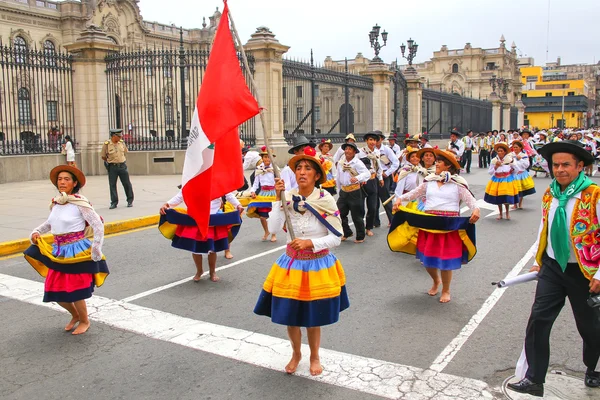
412 51
374 40
493 83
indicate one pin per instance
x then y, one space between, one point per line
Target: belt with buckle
351 188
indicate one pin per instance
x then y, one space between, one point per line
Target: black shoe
592 379
129 204
112 207
528 387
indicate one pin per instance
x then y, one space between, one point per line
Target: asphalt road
391 320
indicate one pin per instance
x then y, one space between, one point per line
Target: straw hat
425 150
350 136
451 157
503 145
79 176
309 154
325 142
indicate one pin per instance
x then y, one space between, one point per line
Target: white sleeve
467 198
327 242
95 222
256 183
414 194
230 197
400 187
395 162
338 155
43 228
176 200
276 217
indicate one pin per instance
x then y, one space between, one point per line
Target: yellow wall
555 87
542 120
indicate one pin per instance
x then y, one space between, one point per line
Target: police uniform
113 155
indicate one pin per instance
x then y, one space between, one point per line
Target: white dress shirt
260 180
394 161
461 148
343 177
363 153
338 155
289 177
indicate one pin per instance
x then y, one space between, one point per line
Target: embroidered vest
584 230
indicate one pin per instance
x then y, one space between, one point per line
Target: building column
496 112
381 74
520 113
90 96
415 101
505 115
268 77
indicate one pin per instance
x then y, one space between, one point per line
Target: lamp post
493 83
552 119
412 51
374 39
563 107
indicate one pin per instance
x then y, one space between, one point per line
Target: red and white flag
213 162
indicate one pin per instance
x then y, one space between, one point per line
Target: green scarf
559 232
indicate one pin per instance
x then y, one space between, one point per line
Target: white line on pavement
184 280
455 345
367 375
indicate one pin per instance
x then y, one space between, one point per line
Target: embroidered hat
263 151
309 154
574 147
79 176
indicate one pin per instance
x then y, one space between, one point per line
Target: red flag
213 162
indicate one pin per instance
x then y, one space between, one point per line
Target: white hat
589 135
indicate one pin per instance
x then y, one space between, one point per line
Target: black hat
455 132
373 134
481 134
567 146
117 132
469 131
366 161
347 144
526 131
300 141
425 137
393 136
381 135
245 150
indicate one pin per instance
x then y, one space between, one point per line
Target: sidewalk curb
20 245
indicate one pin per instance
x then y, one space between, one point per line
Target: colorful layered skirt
68 267
439 239
177 226
502 189
263 203
525 183
304 289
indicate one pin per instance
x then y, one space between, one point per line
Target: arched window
50 53
168 110
455 68
20 48
24 104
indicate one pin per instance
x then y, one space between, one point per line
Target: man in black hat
567 265
339 154
298 145
393 141
465 161
389 165
484 150
351 173
113 153
455 145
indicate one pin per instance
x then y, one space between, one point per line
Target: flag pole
276 170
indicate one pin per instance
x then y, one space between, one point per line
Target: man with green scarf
567 260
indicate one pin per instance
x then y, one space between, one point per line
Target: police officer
113 154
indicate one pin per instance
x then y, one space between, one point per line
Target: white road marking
455 345
367 375
184 280
482 204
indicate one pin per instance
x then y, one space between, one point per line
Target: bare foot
264 238
273 238
197 277
499 217
293 364
445 297
81 328
369 233
71 324
359 241
508 217
344 238
434 289
315 367
214 278
228 254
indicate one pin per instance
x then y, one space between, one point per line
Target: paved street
156 334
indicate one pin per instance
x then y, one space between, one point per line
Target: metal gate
514 115
399 100
152 95
444 111
36 99
323 102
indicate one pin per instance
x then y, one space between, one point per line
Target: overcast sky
339 28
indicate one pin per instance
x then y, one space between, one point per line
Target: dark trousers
383 192
484 156
465 161
352 202
119 171
370 195
552 288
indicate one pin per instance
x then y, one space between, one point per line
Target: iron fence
514 115
399 100
318 101
36 99
152 95
444 111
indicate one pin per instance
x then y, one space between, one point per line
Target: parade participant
524 182
443 244
298 145
251 160
409 141
351 174
425 141
493 141
502 188
371 188
73 264
456 146
483 148
389 165
69 151
408 176
502 138
181 229
113 153
469 143
527 141
567 236
392 140
339 154
327 160
306 286
590 146
261 204
539 163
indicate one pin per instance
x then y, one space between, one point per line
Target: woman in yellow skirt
523 180
502 188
